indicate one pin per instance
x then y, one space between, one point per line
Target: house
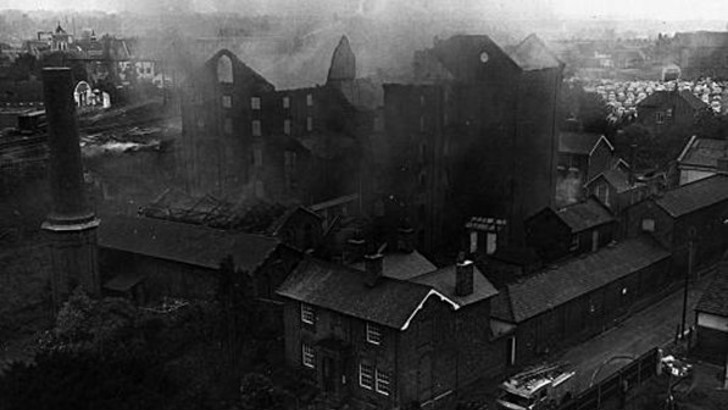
711 318
371 340
701 158
577 228
617 189
582 156
664 112
694 213
176 259
467 87
576 299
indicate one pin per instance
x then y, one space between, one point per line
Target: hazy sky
670 10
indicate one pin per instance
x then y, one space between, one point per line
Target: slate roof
585 215
186 243
580 142
579 276
694 196
533 54
615 177
342 289
658 98
403 266
703 152
715 298
443 280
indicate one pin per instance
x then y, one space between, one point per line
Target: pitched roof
576 277
186 243
391 302
715 298
533 54
703 152
581 142
658 98
403 266
616 178
585 215
694 196
444 281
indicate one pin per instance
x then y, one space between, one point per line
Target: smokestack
464 270
71 224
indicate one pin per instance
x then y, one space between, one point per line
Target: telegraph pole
688 274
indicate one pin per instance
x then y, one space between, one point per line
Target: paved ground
654 326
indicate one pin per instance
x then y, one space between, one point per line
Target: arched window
225 69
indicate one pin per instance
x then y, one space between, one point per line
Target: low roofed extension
715 299
554 287
186 243
694 196
585 215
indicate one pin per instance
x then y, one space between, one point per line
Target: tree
710 125
258 392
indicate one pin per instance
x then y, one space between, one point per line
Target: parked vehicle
539 388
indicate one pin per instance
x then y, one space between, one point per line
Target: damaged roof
576 277
695 195
186 243
585 215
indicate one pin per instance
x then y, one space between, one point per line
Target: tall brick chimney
71 224
464 271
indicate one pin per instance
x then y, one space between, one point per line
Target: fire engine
538 388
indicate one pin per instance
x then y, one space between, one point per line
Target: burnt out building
476 134
371 339
242 138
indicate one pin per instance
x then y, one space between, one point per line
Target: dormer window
374 334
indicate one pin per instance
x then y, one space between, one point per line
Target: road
651 327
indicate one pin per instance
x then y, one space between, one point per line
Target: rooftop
576 277
581 142
715 298
533 54
402 266
585 215
703 152
186 243
615 177
658 98
443 280
694 196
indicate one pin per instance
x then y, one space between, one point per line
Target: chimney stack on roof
405 240
374 266
464 271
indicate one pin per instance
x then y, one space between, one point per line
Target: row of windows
373 331
256 128
227 101
372 378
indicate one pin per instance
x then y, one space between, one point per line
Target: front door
330 375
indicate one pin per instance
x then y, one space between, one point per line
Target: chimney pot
374 265
464 271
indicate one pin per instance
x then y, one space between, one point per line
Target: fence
635 373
